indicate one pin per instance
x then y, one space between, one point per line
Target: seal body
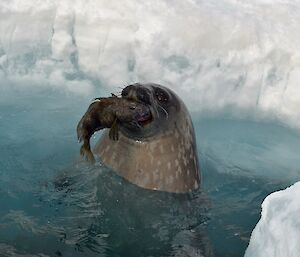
160 154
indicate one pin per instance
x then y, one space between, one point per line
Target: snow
219 56
277 234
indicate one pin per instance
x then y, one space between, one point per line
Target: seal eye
161 95
132 107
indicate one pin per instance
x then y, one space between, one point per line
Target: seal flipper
114 131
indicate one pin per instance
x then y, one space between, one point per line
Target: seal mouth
144 119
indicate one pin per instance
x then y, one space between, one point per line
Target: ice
219 56
277 234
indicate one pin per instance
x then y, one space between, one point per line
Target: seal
160 153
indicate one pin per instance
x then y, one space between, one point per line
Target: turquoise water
54 204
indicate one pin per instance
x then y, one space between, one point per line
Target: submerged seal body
161 153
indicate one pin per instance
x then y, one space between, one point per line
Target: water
53 204
242 162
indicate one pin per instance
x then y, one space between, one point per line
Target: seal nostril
143 95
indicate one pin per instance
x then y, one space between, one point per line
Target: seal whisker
134 122
116 94
156 111
167 114
125 86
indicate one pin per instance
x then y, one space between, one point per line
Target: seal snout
143 114
143 95
144 118
137 93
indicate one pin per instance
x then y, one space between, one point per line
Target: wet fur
103 113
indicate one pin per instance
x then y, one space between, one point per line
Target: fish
109 112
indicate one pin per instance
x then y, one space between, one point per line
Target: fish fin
86 152
90 157
114 131
79 136
98 99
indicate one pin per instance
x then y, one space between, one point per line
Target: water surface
54 204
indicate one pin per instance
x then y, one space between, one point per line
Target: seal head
159 152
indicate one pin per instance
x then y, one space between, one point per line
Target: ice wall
218 55
277 234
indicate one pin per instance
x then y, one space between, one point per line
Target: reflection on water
53 204
90 210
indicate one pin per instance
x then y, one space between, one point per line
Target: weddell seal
159 152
